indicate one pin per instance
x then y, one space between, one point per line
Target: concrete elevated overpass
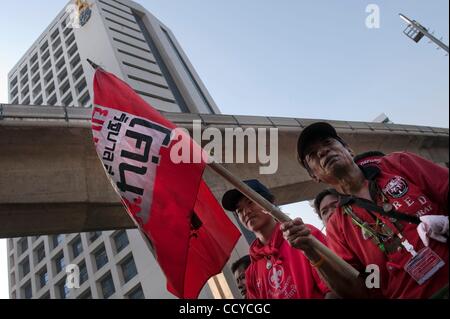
52 182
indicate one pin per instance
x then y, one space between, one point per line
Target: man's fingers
297 237
301 232
297 231
287 226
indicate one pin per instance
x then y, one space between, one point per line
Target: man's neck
265 233
352 183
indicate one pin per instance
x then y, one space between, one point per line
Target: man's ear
314 177
311 174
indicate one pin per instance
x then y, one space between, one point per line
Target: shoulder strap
387 209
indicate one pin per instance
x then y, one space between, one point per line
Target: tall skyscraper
125 39
122 37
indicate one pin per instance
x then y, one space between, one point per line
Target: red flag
191 235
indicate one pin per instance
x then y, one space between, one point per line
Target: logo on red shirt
276 276
396 187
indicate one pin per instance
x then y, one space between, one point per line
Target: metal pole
424 31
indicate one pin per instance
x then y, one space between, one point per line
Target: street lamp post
415 31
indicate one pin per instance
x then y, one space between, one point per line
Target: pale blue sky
311 59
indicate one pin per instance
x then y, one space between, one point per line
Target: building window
23 245
24 70
81 86
45 296
11 261
62 75
83 273
68 100
59 263
25 267
57 239
78 73
43 278
128 269
77 247
39 101
101 258
94 235
13 279
136 293
14 82
40 253
26 101
63 290
121 240
26 291
35 74
52 100
107 286
44 46
84 100
86 295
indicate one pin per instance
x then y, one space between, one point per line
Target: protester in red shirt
277 270
376 223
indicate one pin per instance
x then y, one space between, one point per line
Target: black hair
320 197
243 261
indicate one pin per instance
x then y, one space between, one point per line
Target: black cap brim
311 133
230 199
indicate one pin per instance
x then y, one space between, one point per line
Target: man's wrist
312 255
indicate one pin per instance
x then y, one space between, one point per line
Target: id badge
424 265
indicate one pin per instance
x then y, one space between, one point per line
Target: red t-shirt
413 186
290 276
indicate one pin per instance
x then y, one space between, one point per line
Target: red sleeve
321 237
339 245
430 177
250 284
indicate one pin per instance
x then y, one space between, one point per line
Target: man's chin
336 168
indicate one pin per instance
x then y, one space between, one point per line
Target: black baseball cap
233 196
312 133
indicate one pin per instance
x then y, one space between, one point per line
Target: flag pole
276 213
